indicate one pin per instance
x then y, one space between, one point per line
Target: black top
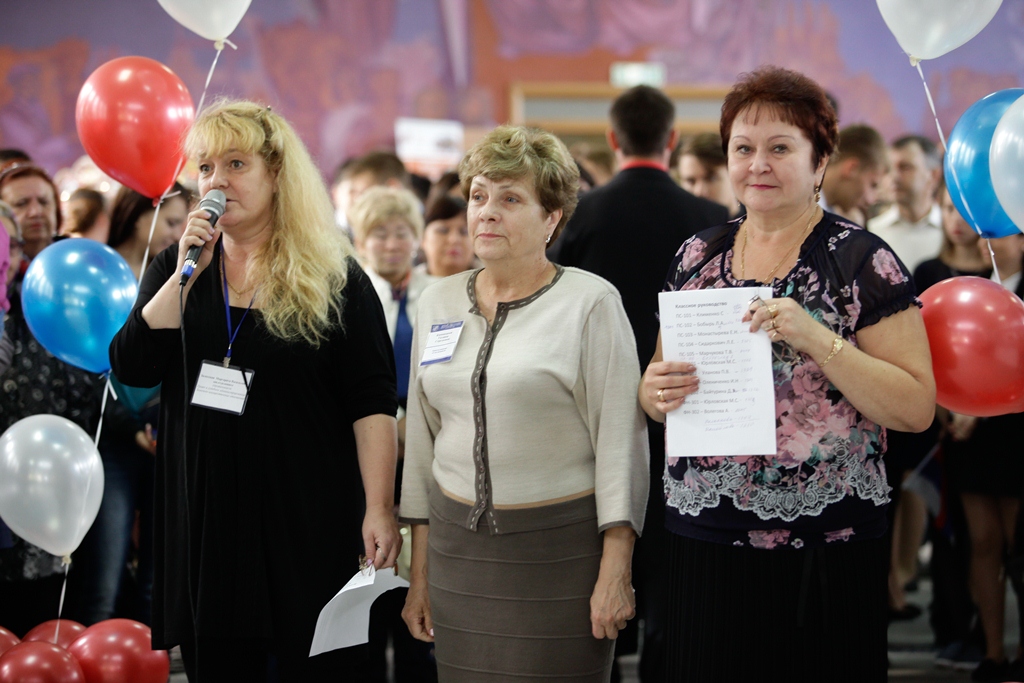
275 494
826 483
627 231
933 271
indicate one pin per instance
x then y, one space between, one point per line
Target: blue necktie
403 349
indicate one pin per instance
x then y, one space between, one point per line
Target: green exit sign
628 74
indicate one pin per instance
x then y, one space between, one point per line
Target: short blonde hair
303 268
516 152
378 205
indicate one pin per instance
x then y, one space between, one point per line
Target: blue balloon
971 185
76 295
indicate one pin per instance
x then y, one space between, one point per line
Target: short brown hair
707 147
382 165
642 119
864 143
516 152
793 98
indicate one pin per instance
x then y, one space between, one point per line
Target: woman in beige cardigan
526 456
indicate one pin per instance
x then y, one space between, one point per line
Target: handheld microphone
213 203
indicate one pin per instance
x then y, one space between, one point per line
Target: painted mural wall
342 70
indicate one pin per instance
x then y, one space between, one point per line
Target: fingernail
431 633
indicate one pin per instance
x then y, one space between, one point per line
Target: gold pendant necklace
768 278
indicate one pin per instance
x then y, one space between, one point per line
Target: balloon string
219 45
971 220
107 388
60 605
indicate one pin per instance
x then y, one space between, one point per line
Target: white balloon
927 29
1006 162
51 482
212 19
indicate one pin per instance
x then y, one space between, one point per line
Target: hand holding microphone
213 204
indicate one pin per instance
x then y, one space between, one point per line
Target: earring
817 194
548 240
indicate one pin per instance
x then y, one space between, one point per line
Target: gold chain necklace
224 268
768 277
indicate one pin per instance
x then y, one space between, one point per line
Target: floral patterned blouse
827 482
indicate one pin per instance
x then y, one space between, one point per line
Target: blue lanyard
227 308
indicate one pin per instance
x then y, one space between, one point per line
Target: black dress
274 495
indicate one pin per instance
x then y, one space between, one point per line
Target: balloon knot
219 44
914 61
66 560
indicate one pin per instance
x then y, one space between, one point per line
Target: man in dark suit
628 231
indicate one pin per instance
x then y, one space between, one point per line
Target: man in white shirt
854 173
913 227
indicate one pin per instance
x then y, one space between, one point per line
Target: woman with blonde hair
260 513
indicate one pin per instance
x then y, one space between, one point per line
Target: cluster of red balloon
132 116
975 326
112 651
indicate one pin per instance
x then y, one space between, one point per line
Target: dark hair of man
707 148
443 208
11 154
864 143
932 154
383 165
442 186
129 205
792 97
420 186
642 120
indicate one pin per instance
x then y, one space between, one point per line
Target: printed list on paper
733 411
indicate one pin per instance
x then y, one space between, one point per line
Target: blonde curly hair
303 268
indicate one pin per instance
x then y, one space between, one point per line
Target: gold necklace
224 268
768 277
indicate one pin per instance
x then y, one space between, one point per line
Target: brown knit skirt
509 608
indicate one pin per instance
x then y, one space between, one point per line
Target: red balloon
7 640
120 651
69 631
976 333
38 662
132 116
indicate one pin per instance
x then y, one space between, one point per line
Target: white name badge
222 388
441 343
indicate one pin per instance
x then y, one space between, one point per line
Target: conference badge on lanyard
223 386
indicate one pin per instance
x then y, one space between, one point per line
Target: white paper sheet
733 411
345 620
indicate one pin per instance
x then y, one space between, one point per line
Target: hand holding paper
345 620
733 413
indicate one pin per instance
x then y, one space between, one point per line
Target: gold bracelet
837 346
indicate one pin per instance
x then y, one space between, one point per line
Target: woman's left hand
612 604
786 321
381 537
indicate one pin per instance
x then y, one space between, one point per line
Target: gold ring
773 309
661 395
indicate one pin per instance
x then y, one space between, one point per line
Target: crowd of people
475 365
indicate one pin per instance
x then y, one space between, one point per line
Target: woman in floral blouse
781 558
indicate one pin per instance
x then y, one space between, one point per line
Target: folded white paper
345 620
